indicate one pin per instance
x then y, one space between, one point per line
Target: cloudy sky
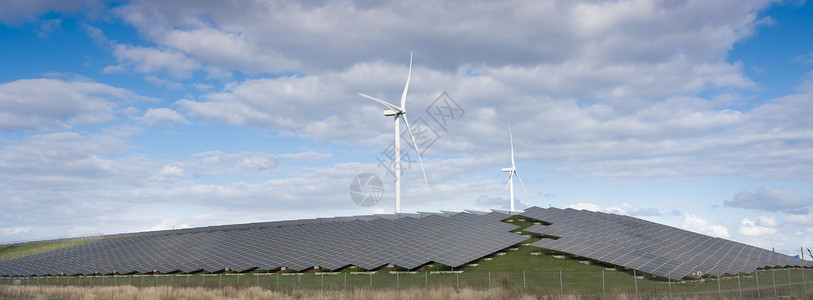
145 115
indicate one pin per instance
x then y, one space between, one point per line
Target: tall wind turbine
399 112
512 171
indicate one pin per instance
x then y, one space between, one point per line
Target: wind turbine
512 171
399 112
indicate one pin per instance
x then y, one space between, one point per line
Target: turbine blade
509 179
523 186
406 88
414 143
511 136
387 104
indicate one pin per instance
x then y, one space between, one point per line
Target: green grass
17 251
582 283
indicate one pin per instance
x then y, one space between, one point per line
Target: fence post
790 284
739 285
489 280
426 279
277 279
773 274
523 280
458 279
635 278
371 279
323 282
397 281
220 281
603 289
804 283
757 275
345 280
561 285
670 287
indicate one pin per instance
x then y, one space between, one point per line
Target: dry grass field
257 293
167 293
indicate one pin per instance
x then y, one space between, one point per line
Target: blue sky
145 115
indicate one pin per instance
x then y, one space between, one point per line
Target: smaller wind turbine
512 171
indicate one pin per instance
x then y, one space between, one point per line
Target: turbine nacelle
390 113
509 169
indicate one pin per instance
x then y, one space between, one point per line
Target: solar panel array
227 227
407 241
647 246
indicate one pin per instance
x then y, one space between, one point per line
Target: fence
762 284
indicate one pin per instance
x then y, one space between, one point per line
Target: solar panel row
407 242
647 246
236 226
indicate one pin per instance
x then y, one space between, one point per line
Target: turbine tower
399 112
512 171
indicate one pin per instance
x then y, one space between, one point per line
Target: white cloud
203 87
48 103
770 198
147 60
679 136
162 116
227 50
171 172
763 226
65 160
805 58
14 230
306 156
693 223
275 103
767 221
259 162
806 83
169 84
272 36
800 219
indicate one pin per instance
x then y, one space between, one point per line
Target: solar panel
406 240
647 246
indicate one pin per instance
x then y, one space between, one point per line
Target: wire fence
770 283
